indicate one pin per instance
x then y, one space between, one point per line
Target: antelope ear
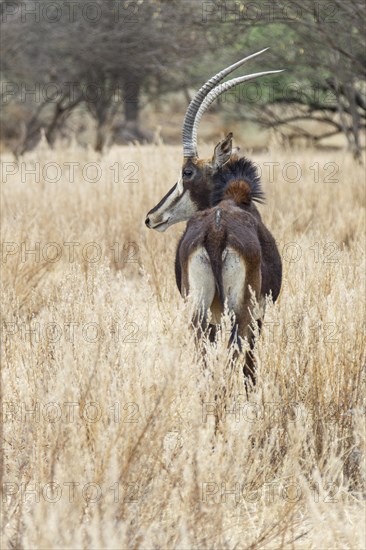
223 151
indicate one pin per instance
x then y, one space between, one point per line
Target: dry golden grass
121 449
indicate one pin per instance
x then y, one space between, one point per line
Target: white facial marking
178 207
183 209
161 228
180 187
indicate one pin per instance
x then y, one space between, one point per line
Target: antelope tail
215 245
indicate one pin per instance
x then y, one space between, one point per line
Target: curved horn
220 89
189 144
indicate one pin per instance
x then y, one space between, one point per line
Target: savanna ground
109 412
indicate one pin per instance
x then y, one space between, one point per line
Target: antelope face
192 192
176 206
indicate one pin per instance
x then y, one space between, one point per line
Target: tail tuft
215 250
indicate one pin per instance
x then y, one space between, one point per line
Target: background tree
104 57
322 46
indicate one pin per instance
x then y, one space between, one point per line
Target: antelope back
219 259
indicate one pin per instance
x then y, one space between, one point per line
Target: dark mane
233 171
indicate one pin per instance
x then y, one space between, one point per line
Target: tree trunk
356 150
100 140
130 130
131 98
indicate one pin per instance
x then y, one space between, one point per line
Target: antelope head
195 184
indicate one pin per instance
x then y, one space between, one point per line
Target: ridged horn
189 145
220 89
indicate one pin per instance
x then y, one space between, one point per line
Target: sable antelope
226 250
